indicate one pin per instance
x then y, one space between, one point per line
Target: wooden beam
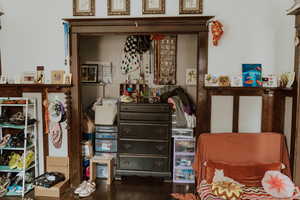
267 111
236 111
74 139
203 100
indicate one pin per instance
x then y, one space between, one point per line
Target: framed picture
153 6
191 77
190 6
57 77
3 79
89 73
28 77
84 7
118 7
68 78
165 60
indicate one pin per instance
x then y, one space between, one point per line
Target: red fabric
240 149
249 175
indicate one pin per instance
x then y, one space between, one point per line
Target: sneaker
14 160
4 140
28 160
88 189
80 187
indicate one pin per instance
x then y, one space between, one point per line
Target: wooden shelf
36 85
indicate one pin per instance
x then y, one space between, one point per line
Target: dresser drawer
144 116
142 147
144 164
149 108
144 131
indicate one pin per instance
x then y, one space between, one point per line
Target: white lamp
294 8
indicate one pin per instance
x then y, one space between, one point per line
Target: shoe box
55 164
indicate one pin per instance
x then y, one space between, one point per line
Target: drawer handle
158 163
160 147
126 130
126 162
127 146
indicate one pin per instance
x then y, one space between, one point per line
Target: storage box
105 114
106 145
55 164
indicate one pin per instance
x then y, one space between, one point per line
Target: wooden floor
130 189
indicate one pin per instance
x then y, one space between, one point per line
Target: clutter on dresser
18 146
56 180
137 93
184 153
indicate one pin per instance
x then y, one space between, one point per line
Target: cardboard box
55 164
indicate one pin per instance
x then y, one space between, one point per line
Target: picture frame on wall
118 7
84 7
190 6
57 77
89 73
154 6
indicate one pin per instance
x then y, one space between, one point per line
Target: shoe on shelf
80 187
88 189
29 158
4 140
14 160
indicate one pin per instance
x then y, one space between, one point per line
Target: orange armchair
240 148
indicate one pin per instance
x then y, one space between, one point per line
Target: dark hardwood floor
133 188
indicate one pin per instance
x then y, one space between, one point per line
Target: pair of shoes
29 158
14 159
85 189
4 140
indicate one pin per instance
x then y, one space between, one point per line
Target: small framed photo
84 7
118 7
68 78
190 6
57 77
154 6
3 79
89 73
28 77
191 77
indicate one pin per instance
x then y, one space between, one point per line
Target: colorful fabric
249 193
278 185
227 190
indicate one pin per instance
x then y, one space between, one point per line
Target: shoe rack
29 129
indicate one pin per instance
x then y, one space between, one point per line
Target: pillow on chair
248 175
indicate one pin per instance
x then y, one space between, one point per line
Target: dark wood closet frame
95 27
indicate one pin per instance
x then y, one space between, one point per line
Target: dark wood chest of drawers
144 142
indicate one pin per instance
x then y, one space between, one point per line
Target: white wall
255 31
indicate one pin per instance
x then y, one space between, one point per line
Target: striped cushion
249 193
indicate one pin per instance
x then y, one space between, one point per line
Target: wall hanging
217 31
154 6
84 7
190 6
57 115
165 60
118 7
